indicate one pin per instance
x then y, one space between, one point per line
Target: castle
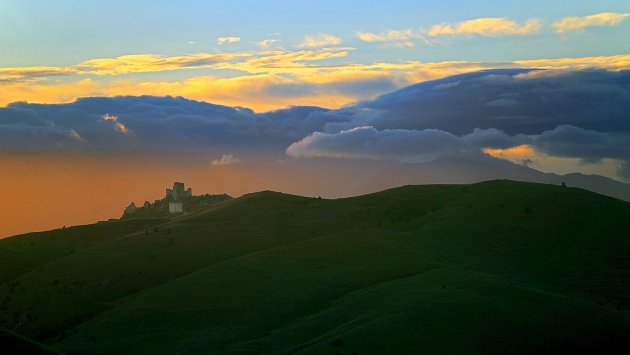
176 201
178 192
175 196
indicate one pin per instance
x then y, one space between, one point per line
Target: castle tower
178 192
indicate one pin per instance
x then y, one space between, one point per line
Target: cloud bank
274 80
548 114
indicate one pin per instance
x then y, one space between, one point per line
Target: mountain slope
499 266
464 171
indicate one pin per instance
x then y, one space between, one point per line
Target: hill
493 267
464 171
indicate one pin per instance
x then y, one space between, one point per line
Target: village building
131 209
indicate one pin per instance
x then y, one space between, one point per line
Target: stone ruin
174 196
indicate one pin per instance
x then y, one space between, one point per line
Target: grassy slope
12 343
495 266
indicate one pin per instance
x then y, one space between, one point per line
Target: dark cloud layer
579 114
571 141
148 123
513 101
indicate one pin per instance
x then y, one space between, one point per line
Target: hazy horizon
236 98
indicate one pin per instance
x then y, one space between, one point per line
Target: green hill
494 267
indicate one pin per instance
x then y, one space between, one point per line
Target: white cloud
369 143
226 159
576 23
320 40
269 43
117 125
75 135
229 39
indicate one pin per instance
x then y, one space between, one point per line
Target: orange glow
52 190
515 153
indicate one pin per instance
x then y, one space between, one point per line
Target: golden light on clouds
402 38
143 63
515 154
577 23
268 79
320 40
228 39
489 27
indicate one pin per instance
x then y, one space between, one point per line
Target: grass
495 267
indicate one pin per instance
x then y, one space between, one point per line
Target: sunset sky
270 54
83 86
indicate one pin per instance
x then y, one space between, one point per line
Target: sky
248 53
108 101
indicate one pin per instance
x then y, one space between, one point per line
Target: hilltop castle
176 201
175 196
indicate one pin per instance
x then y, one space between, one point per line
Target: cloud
615 62
320 40
590 99
226 159
269 43
287 62
487 27
118 126
144 63
251 62
588 145
426 145
229 39
154 124
9 75
75 135
401 38
521 154
279 78
576 23
507 113
369 143
543 115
